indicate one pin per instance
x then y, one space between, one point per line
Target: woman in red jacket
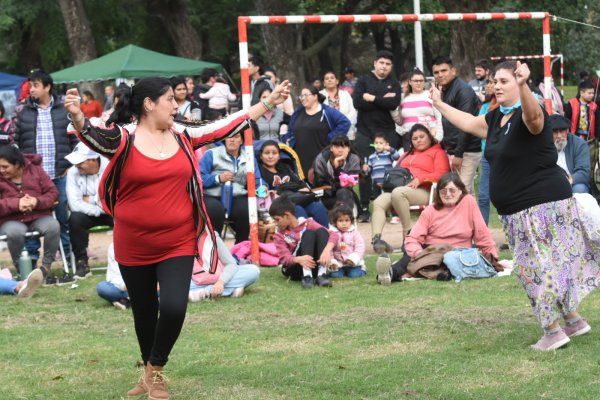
153 190
427 162
27 196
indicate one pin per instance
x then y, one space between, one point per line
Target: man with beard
573 154
40 127
482 71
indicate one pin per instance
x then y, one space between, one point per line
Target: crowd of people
369 149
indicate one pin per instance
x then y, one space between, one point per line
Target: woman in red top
90 106
427 162
152 189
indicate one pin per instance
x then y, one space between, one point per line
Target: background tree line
55 34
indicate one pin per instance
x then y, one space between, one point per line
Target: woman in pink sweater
453 218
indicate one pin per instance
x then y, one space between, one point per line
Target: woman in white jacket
340 100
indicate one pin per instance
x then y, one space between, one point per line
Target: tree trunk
469 40
174 16
283 44
81 40
79 34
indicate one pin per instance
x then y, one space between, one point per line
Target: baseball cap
80 154
348 70
559 122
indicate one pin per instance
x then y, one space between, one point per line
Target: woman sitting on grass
453 218
230 280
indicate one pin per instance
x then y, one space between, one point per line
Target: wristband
267 105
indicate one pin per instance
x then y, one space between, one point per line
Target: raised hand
280 93
435 94
73 102
522 73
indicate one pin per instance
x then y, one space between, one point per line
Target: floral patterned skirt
555 259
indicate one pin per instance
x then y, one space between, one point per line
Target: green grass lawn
357 340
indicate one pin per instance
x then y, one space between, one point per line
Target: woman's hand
434 94
217 289
414 183
73 102
522 73
280 93
226 176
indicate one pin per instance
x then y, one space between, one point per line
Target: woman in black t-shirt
555 261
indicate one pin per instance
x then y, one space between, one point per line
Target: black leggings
157 336
312 244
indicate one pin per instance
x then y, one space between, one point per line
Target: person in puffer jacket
349 251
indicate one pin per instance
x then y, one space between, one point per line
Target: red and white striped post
243 21
554 58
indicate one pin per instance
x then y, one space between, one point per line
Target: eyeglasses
417 81
303 96
448 191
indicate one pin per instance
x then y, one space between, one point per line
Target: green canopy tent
132 62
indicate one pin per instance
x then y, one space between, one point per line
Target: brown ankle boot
156 382
139 389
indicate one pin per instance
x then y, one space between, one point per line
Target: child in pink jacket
349 251
304 246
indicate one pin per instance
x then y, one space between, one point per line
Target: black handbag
396 177
301 199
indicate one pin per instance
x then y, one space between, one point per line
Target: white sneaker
237 292
198 295
383 266
32 283
395 220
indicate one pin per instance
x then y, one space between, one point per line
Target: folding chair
36 234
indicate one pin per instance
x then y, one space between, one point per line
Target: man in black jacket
258 81
463 149
375 95
40 127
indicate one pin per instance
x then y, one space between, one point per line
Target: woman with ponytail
152 189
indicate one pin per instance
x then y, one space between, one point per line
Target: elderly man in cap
83 179
573 154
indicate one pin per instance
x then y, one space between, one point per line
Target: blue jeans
350 272
581 188
110 292
246 275
7 286
33 245
484 190
316 210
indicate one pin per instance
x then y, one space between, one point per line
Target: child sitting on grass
349 250
304 246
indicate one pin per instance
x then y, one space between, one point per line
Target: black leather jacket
460 96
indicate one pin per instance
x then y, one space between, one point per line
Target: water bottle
25 264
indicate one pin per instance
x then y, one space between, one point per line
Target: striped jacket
114 142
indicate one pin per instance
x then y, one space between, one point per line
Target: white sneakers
32 283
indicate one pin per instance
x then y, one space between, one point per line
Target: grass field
357 340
